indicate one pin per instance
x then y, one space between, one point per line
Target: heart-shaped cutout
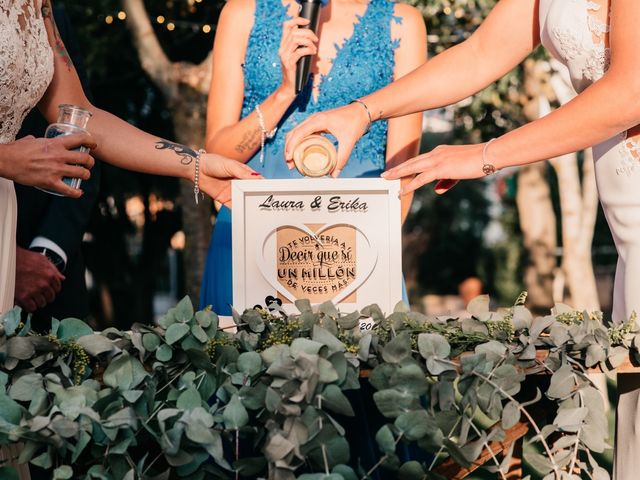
317 262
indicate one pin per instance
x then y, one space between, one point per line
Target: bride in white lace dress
599 42
36 70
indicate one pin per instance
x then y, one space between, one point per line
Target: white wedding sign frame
370 208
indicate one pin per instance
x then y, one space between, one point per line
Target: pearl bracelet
264 134
196 176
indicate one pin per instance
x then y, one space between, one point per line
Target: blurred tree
506 104
185 86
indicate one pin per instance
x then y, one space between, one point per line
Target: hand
346 123
446 163
42 162
296 43
38 281
218 171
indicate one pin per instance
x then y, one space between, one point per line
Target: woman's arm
118 142
608 107
508 35
226 133
403 137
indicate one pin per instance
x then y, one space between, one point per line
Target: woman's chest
576 32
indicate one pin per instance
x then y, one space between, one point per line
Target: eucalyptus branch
435 458
556 469
487 446
577 444
382 459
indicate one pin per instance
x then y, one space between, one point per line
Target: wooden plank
451 470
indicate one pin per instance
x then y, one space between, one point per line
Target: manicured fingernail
255 174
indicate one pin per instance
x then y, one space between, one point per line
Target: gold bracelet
487 168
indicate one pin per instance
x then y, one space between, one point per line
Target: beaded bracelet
196 176
264 134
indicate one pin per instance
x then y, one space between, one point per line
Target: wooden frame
281 227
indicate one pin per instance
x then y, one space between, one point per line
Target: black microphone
309 10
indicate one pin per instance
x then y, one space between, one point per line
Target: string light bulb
108 19
171 26
122 15
160 19
206 28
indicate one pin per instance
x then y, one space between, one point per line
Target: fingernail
384 174
255 174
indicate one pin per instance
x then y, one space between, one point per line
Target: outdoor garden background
537 229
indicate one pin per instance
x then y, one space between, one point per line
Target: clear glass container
71 119
315 156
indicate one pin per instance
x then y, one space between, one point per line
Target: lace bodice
26 63
362 64
576 33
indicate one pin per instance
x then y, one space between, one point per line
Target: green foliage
188 400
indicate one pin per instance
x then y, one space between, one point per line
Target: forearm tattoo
186 154
58 44
250 141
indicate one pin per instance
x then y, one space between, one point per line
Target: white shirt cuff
43 242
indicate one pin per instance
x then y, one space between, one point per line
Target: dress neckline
346 42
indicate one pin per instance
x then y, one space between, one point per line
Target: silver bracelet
487 168
366 109
196 177
264 134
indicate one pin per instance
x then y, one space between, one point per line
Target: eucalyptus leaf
24 387
417 424
10 411
199 333
11 320
510 415
562 383
95 344
254 320
335 400
397 349
176 332
323 336
21 348
250 363
72 328
235 415
385 440
184 310
63 472
349 321
124 372
151 342
479 307
411 470
189 399
164 353
44 460
305 345
303 305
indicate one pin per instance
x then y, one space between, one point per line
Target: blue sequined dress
363 63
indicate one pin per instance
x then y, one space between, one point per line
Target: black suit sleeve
66 219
